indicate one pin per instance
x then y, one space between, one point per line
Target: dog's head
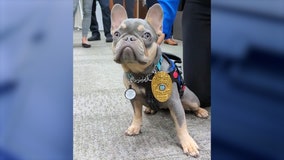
134 40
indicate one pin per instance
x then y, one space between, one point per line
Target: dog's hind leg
190 102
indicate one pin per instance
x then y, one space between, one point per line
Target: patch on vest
161 86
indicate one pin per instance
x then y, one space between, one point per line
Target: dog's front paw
202 113
190 147
132 130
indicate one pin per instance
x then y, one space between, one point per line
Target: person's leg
150 3
94 27
196 50
106 19
75 5
129 5
87 12
118 1
170 9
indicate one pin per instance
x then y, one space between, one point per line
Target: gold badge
162 86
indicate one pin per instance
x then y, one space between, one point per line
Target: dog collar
149 76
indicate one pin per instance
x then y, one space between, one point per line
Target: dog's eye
116 34
146 36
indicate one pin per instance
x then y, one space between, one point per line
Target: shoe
109 38
170 42
85 45
95 37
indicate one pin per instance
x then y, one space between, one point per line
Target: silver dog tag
130 93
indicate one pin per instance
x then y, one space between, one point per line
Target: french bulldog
147 77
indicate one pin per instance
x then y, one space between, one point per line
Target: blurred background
36 79
247 76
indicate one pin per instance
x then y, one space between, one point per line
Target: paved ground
102 114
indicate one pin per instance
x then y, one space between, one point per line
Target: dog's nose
130 38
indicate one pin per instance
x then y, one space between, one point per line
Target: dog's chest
145 95
154 90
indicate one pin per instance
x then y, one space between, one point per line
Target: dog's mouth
128 54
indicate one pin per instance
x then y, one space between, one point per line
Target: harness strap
175 72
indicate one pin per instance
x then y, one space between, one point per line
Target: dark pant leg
94 27
118 1
106 16
130 8
196 49
150 3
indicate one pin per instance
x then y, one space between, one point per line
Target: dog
151 78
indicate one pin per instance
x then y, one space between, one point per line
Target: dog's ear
155 17
118 14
